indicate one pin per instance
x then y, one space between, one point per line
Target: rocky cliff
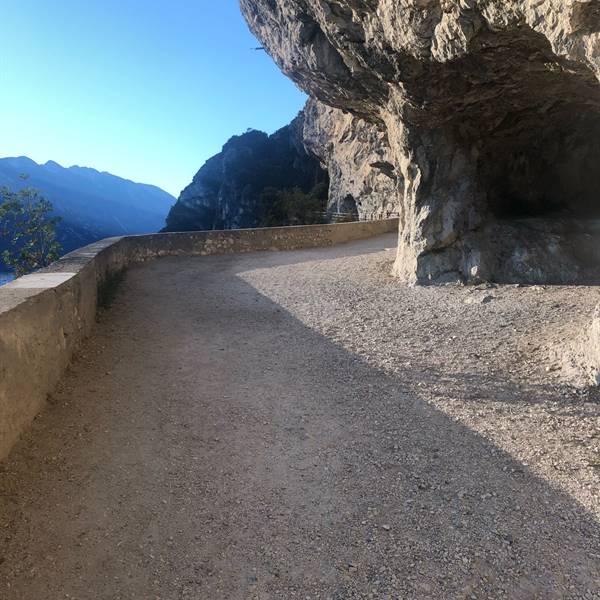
357 155
483 114
227 192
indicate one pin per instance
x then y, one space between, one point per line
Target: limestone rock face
579 357
487 111
363 179
226 191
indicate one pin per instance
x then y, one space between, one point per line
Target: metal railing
380 215
348 217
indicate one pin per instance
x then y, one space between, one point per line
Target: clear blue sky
145 89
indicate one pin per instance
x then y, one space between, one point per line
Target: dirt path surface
299 425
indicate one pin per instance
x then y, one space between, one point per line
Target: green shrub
292 206
28 230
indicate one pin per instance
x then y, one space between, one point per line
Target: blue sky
145 89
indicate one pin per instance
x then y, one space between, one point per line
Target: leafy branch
29 230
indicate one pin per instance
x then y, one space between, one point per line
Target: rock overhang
491 115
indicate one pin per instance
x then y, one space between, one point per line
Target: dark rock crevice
522 141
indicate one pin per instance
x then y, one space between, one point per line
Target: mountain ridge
92 204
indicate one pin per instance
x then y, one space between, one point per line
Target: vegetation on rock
282 207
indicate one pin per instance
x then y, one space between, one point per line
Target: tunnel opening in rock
348 207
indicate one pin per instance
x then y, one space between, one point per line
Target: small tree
28 229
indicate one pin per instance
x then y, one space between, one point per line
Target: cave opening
549 168
540 177
348 206
530 122
533 125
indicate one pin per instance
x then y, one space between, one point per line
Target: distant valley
93 205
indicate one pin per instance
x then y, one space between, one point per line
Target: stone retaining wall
45 316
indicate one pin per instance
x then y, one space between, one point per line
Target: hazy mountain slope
90 199
92 204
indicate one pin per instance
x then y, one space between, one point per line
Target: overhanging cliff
488 116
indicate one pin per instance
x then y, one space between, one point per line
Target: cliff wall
488 113
227 192
357 156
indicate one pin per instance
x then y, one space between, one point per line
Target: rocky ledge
479 120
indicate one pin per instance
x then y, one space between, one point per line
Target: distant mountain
93 205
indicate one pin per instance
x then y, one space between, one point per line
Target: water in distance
6 277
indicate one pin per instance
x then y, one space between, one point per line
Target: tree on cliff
27 230
284 207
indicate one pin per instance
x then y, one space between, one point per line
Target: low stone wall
45 316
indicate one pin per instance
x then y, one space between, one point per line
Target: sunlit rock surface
356 153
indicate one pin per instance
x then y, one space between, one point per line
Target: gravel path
299 425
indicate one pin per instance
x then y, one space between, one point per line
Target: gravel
300 425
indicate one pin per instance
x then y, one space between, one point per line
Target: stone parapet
45 316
